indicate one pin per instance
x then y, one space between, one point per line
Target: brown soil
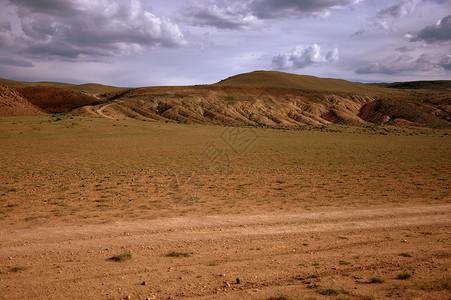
12 104
296 255
55 100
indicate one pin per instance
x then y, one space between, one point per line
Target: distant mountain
87 88
437 85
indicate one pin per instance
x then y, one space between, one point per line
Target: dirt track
298 255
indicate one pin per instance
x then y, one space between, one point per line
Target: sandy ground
337 213
296 255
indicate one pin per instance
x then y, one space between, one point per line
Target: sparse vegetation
122 257
377 279
404 275
405 254
179 254
329 292
55 174
18 268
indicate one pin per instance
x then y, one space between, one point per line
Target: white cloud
90 30
385 17
404 63
301 57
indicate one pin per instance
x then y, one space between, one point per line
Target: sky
178 42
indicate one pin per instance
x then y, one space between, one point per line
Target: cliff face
12 104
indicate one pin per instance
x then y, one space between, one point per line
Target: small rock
227 284
362 281
144 283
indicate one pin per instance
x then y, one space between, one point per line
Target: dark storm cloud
406 63
243 14
62 7
218 13
301 57
89 30
446 62
16 62
440 32
267 9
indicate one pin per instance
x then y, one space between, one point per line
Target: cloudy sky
179 42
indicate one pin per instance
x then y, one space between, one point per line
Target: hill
436 85
260 98
12 104
274 79
55 100
87 88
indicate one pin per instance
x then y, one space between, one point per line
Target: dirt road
101 109
312 254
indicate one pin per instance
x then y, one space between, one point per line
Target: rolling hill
260 98
13 104
54 99
274 79
87 88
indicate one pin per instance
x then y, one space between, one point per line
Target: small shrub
377 279
329 292
405 254
404 275
17 269
122 257
179 254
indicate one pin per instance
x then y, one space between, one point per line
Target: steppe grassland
67 169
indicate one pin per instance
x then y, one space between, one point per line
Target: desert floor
217 212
